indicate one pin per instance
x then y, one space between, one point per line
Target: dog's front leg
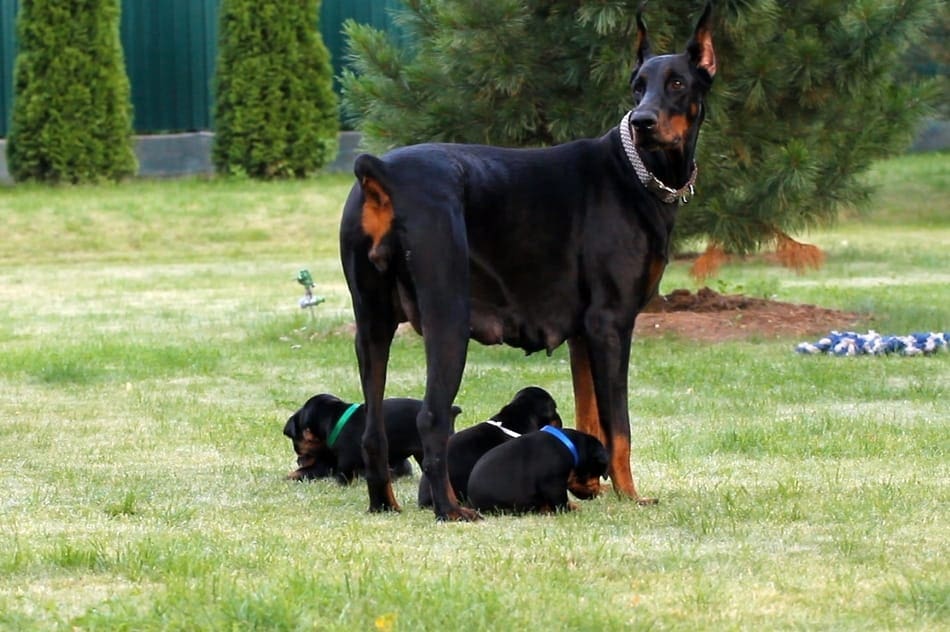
586 417
608 352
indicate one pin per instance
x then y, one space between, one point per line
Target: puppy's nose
643 121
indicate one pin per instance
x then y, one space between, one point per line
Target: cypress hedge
276 114
72 116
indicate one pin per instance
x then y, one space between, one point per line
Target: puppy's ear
600 459
290 428
456 411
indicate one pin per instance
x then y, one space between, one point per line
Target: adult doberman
526 247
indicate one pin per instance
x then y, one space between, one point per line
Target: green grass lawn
151 348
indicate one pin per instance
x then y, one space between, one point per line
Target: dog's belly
531 316
492 326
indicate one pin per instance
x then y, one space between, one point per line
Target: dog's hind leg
436 253
374 334
372 350
376 319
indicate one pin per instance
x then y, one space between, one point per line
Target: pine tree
276 114
804 101
72 117
930 58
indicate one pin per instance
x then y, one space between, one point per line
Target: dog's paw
385 508
459 514
382 499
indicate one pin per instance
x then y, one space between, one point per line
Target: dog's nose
643 121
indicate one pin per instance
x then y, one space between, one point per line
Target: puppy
530 409
327 432
534 472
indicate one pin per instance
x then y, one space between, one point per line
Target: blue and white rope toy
849 343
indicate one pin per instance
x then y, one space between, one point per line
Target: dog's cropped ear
643 43
700 46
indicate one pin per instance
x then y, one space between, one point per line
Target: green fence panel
170 50
169 55
333 13
7 53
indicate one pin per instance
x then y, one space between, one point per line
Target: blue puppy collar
556 432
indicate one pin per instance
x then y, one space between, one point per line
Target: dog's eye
677 84
638 90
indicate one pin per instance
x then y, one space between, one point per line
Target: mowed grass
152 348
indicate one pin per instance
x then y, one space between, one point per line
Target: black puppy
530 409
534 472
327 432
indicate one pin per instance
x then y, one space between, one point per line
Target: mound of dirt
709 316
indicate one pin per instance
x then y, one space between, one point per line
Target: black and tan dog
529 410
524 247
534 472
326 434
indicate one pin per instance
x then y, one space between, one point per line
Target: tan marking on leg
586 417
391 498
619 467
655 273
453 497
620 473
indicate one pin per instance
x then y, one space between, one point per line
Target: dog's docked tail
377 213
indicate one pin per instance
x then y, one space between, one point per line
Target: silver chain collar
650 181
